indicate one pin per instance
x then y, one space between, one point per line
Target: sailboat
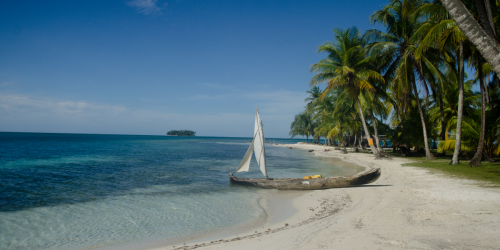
257 147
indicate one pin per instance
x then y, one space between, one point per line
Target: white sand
406 208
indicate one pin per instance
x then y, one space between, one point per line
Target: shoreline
408 207
300 206
280 207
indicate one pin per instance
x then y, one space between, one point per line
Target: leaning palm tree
487 45
347 66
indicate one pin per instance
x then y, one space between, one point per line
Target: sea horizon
211 136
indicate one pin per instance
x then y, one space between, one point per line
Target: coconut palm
405 69
347 66
409 132
313 98
492 132
470 126
445 32
323 108
487 46
302 125
478 63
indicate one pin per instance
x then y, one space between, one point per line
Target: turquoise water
71 191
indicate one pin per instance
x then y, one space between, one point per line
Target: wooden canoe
366 177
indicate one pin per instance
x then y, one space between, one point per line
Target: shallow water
70 191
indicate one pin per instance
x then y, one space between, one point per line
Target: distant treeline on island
181 133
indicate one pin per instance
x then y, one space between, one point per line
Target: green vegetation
181 133
302 125
407 84
488 172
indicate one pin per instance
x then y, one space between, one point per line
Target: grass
489 171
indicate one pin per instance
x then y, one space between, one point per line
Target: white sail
245 163
258 145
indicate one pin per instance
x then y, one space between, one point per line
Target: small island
181 133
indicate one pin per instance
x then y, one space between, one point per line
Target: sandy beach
406 207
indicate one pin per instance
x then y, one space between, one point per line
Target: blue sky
146 66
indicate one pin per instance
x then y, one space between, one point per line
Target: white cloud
146 7
12 103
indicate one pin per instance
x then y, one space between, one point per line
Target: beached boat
257 147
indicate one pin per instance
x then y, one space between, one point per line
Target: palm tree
446 33
345 116
476 160
492 135
409 132
302 125
323 109
451 110
405 68
373 105
487 46
430 36
346 66
314 94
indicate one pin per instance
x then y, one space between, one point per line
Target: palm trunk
428 154
498 82
485 23
490 16
426 95
487 92
360 141
465 21
458 140
372 147
441 110
341 136
476 160
399 114
376 130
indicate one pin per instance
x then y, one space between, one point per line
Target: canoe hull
310 184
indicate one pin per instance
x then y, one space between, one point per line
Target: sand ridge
407 207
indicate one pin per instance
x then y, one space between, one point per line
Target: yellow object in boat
313 176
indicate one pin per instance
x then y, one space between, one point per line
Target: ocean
76 191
